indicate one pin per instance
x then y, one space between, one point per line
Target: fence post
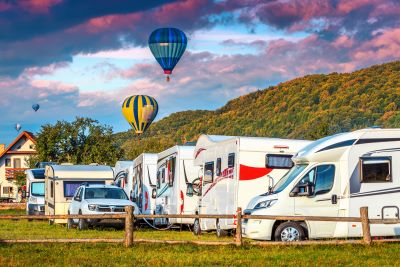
129 226
239 227
365 225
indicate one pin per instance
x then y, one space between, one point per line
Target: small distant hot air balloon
140 111
35 107
167 46
18 127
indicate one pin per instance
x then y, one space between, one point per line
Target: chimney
2 148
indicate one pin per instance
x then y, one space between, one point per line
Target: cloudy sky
83 57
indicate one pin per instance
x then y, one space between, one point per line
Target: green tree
82 141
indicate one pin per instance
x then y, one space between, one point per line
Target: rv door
321 201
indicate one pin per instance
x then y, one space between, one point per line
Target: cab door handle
334 199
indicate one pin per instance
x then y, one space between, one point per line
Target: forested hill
309 107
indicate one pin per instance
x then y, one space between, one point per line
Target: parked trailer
236 169
122 172
61 181
334 176
35 191
175 170
143 181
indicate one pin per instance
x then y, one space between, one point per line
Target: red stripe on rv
251 173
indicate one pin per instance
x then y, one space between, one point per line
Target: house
13 160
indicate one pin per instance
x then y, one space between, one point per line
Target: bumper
35 209
258 229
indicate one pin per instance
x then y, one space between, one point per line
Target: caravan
236 169
141 182
122 172
175 170
61 182
35 191
334 176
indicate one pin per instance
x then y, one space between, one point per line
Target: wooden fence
130 218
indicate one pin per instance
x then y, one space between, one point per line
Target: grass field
178 255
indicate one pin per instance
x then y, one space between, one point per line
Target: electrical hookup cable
155 227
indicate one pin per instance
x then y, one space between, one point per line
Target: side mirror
189 190
77 198
301 190
154 193
24 194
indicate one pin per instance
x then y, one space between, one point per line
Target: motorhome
143 181
35 192
236 169
175 170
334 176
61 181
121 173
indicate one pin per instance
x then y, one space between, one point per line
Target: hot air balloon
140 111
35 107
167 46
18 127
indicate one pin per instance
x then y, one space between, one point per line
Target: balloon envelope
35 107
18 127
140 111
167 46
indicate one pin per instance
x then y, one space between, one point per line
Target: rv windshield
37 189
105 193
289 177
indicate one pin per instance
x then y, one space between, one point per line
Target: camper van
334 176
236 169
35 191
121 174
61 181
142 182
175 170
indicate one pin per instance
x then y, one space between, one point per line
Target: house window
375 169
231 160
218 168
7 190
32 146
17 163
8 162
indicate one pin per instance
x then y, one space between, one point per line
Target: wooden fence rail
130 218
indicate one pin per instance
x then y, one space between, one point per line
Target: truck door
322 201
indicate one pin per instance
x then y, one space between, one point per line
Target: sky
83 58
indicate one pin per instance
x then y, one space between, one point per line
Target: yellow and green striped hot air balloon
140 111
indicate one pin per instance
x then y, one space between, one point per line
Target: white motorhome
142 181
236 169
61 181
122 170
35 191
175 170
334 176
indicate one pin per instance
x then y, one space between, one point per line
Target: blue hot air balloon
167 46
35 107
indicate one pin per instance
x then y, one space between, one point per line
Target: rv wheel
220 232
289 232
196 227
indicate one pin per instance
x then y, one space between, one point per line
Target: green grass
178 255
188 255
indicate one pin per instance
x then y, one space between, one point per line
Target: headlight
265 204
92 207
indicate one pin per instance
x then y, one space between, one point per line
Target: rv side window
231 160
51 189
163 176
158 179
375 169
278 161
70 187
171 170
322 177
218 168
208 172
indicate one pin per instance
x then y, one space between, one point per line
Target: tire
220 232
289 232
82 223
196 227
